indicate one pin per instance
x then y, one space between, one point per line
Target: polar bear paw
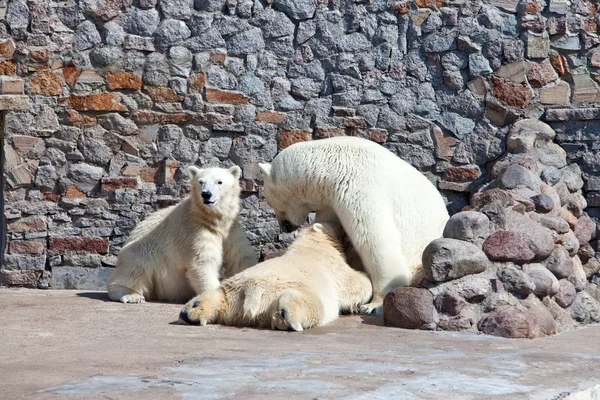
132 298
284 320
374 307
192 313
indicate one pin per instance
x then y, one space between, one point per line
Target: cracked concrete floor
68 344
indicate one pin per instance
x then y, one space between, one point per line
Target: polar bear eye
201 182
220 182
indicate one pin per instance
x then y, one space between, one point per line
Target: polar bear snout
183 318
207 198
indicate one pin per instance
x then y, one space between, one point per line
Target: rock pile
518 262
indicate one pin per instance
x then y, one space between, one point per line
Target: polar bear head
290 210
213 185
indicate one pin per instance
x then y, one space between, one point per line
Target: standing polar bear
389 210
306 287
181 251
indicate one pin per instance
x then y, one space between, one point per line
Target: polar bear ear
265 168
193 171
236 171
317 227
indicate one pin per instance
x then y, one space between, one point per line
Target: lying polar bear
308 286
181 251
389 210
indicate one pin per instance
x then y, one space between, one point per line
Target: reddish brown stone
28 224
78 119
409 308
218 57
163 203
25 143
584 230
71 74
221 96
123 80
402 8
444 145
108 9
352 122
12 86
566 294
27 246
512 322
378 135
197 81
148 174
74 193
60 244
248 186
110 184
511 95
508 246
533 8
539 75
131 170
7 48
163 95
560 64
432 4
39 55
270 117
51 196
46 83
8 68
96 102
462 174
288 138
153 117
327 132
590 25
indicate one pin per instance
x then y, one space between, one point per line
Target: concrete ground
67 344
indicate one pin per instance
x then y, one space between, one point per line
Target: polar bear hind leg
125 295
297 309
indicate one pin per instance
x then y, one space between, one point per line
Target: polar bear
181 251
389 210
307 286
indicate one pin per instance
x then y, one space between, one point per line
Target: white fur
308 286
389 210
181 251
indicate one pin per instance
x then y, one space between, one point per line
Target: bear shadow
376 320
102 296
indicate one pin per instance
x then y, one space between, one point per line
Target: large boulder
512 322
409 308
469 226
545 282
446 259
508 246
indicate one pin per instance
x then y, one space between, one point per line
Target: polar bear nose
206 194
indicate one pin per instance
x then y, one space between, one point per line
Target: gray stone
585 309
545 282
86 36
141 22
251 85
84 176
551 175
578 278
274 24
21 262
571 176
209 5
543 203
114 35
560 263
288 103
555 223
199 23
118 124
518 176
446 259
296 9
250 41
440 41
516 281
17 15
79 278
171 32
469 226
177 9
479 65
208 40
449 302
46 177
105 56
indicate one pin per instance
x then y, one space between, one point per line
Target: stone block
14 103
80 278
556 95
96 102
123 80
11 86
60 244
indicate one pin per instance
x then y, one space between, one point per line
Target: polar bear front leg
203 274
124 294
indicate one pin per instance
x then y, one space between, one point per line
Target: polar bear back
359 179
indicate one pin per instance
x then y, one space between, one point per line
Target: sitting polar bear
389 210
179 252
308 286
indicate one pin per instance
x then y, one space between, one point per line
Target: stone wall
105 102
